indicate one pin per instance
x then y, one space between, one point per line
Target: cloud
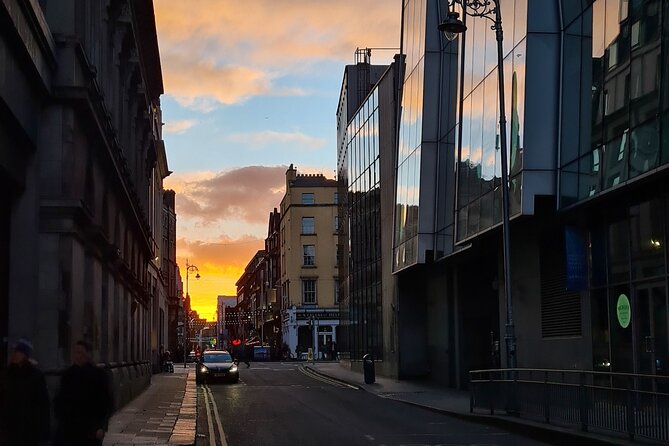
179 127
269 137
224 52
247 194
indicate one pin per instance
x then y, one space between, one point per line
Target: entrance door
652 340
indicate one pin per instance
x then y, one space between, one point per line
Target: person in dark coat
25 408
83 403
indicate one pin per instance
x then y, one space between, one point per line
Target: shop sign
624 311
318 315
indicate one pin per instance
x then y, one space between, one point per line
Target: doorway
652 339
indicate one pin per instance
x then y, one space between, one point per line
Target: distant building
309 276
170 272
249 296
222 305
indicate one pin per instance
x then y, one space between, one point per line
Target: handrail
617 402
572 371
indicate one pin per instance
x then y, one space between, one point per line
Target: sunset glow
251 87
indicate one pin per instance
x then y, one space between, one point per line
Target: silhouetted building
82 160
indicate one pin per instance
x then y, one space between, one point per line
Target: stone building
309 277
81 163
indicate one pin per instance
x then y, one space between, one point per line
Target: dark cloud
248 194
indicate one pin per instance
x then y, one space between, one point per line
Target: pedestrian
334 351
25 409
83 403
247 354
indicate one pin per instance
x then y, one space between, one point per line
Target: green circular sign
624 311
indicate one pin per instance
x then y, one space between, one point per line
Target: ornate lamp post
451 27
189 268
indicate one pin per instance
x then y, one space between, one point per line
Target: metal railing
622 403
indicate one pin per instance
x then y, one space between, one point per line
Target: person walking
83 403
25 409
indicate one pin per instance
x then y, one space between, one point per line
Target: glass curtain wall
479 199
410 135
364 228
618 129
629 291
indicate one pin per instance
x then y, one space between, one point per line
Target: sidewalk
164 414
455 402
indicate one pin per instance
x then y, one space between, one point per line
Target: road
281 404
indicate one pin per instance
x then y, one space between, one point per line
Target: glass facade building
479 194
364 228
613 157
619 129
410 135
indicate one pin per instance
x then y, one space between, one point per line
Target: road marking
369 437
332 382
212 438
218 418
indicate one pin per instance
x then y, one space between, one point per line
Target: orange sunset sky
251 87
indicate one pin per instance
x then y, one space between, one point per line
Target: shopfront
629 290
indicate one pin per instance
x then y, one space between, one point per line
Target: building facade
223 304
175 311
366 176
309 276
613 188
584 90
250 297
80 103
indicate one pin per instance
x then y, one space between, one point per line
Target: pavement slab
164 414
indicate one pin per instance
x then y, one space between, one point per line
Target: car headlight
204 369
233 369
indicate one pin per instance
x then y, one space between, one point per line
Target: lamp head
197 276
452 26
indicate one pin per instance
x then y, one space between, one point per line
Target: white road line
218 418
212 438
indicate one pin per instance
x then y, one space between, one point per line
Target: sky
250 88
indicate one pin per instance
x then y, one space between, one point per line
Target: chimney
291 175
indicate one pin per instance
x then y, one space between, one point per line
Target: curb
185 428
324 375
527 428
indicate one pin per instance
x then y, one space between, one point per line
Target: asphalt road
280 404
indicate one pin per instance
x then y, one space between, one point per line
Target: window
336 223
336 198
309 291
308 225
309 255
308 198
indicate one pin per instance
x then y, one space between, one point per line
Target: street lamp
451 27
189 268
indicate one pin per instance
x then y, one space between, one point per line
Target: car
216 365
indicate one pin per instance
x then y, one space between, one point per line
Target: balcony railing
614 403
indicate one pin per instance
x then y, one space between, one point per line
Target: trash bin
368 369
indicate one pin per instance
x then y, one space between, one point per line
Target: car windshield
217 357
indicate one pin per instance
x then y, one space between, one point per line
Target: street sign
624 311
